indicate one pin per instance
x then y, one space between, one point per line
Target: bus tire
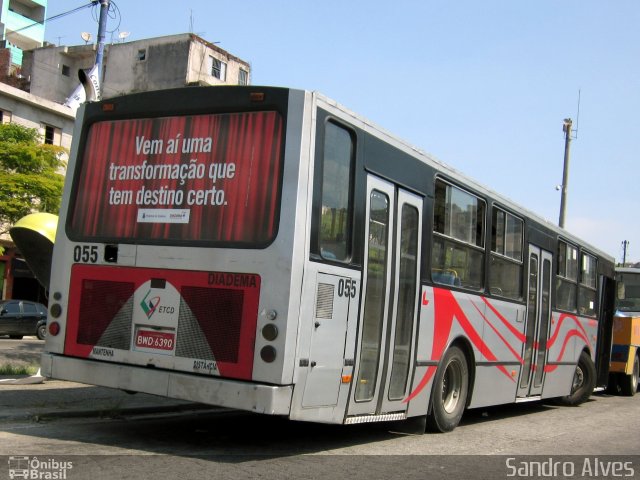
629 383
450 390
584 381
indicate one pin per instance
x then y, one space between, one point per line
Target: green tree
30 174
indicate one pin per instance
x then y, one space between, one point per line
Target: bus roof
436 163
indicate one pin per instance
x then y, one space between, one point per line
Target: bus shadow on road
236 437
510 410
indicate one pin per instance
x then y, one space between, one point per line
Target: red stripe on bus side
504 340
518 334
446 309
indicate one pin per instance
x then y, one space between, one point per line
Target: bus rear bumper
259 398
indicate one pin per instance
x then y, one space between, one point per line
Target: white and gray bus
266 249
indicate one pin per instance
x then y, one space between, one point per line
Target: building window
52 135
505 274
218 68
5 116
142 55
243 77
458 244
66 70
567 278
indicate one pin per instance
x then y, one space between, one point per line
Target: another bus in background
625 353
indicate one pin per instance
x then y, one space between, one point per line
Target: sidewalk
58 398
44 398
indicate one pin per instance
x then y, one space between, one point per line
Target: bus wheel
584 381
629 383
449 397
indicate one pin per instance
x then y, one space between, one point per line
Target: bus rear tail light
55 310
268 354
54 329
270 332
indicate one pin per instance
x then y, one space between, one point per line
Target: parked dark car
21 317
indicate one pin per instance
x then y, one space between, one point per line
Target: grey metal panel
558 381
304 405
284 260
63 258
252 397
326 355
492 387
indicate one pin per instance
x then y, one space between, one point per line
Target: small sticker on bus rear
205 366
163 215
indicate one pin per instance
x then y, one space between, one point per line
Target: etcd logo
149 305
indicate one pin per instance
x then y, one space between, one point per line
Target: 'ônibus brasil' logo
149 306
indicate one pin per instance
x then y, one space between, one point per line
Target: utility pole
625 244
91 80
566 128
102 33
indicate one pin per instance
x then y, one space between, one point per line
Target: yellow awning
34 235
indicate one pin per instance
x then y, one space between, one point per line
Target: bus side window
457 255
505 271
587 290
567 277
337 194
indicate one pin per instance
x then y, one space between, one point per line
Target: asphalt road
238 445
501 442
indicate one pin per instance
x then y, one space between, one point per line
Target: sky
483 86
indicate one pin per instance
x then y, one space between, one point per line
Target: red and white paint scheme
266 249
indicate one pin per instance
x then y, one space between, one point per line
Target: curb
23 380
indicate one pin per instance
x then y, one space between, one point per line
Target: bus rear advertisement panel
212 178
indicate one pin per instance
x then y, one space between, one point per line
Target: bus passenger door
388 311
538 323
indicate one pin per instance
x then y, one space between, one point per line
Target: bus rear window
203 178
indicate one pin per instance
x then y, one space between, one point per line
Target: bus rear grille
105 313
209 322
214 315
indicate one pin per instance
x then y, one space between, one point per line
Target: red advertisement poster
189 178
